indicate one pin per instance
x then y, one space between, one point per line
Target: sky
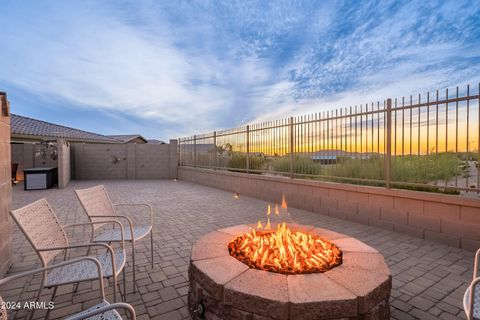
167 69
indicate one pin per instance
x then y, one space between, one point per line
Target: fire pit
285 251
301 272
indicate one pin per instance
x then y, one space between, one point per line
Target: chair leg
124 286
114 286
47 316
151 246
38 295
134 271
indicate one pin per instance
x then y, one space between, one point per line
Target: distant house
155 141
33 142
129 138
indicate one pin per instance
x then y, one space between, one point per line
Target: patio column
5 185
63 163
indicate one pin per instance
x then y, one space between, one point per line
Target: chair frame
109 307
476 280
115 271
128 219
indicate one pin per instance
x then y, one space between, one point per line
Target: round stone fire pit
222 287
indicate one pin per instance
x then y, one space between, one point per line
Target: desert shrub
301 165
425 169
239 161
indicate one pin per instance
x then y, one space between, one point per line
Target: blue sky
166 69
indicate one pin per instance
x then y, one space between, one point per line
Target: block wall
451 220
122 161
5 188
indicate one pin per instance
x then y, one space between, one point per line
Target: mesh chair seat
476 301
85 270
3 310
107 315
139 232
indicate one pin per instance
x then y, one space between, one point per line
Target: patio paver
429 278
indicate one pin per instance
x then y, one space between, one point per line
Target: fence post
216 150
248 149
195 151
291 147
388 151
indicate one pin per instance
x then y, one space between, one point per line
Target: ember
283 250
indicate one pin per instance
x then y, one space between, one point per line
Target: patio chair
98 206
48 238
471 302
103 310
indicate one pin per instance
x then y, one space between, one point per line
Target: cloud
204 65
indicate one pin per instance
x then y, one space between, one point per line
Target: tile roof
24 126
155 141
126 137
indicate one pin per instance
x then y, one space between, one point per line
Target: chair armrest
119 305
136 205
475 266
130 223
97 244
100 222
472 286
58 265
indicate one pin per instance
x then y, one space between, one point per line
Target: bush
425 169
300 165
359 168
239 161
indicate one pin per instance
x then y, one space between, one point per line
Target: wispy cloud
198 66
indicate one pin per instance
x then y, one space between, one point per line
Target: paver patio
429 278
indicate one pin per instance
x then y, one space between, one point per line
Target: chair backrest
96 202
42 228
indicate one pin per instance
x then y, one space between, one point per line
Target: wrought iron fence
427 142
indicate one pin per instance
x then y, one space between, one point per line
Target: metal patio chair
98 206
103 310
471 302
47 236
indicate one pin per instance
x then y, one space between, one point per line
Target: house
129 138
28 130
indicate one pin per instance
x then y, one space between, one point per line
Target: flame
277 212
269 210
259 225
285 251
284 203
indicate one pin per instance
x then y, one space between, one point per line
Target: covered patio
429 278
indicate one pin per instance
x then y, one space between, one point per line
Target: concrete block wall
451 220
124 161
100 161
63 163
153 161
5 190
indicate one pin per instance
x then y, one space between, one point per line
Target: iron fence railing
428 142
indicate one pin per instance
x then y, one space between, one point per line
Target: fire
284 250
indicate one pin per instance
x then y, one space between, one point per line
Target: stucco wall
5 190
452 220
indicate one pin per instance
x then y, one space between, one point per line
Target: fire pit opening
285 251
